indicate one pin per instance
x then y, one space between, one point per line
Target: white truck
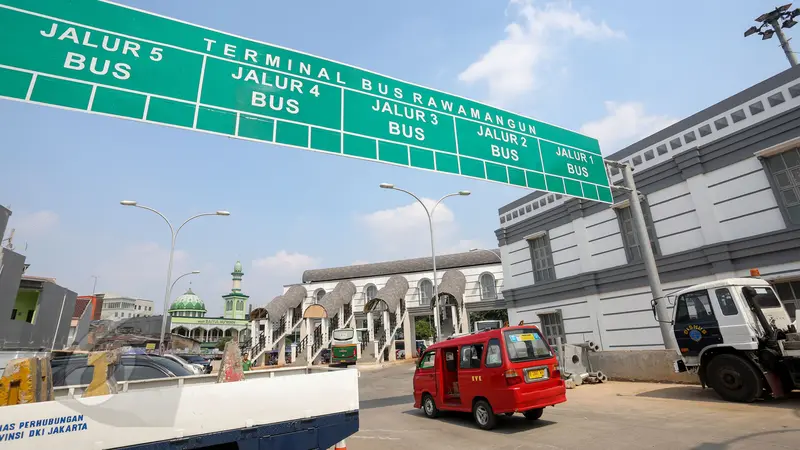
737 336
286 408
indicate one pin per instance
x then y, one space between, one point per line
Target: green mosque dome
189 301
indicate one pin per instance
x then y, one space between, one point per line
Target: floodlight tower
774 22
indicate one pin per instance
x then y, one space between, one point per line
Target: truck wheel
484 416
734 379
429 406
534 414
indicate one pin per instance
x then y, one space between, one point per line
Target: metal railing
261 342
348 310
316 345
297 315
279 330
301 346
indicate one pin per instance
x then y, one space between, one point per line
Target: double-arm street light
433 248
174 232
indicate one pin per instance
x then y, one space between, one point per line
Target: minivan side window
494 356
428 360
471 356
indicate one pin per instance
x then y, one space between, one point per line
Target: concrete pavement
605 416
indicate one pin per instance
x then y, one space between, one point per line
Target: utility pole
639 226
94 286
771 24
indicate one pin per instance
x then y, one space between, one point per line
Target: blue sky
611 70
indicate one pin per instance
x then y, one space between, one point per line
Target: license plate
536 374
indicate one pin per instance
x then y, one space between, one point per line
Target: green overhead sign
110 59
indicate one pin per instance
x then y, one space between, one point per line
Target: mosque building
188 315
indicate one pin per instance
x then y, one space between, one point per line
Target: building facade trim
768 249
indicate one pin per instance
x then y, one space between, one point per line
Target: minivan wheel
484 416
429 407
533 414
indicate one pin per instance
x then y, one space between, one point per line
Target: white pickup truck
287 408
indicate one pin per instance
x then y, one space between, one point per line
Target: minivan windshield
345 334
526 344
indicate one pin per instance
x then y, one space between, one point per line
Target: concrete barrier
640 365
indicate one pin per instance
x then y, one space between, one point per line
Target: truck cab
736 334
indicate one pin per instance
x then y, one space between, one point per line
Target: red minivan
501 371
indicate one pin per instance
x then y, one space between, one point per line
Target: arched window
425 292
370 292
488 289
240 305
318 295
228 305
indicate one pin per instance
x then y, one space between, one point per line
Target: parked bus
483 325
344 347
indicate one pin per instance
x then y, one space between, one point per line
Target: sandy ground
611 415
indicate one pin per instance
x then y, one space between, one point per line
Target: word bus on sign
103 58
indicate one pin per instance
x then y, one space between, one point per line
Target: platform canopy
453 284
390 294
341 295
293 297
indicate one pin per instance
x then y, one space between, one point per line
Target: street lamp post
433 248
174 234
194 272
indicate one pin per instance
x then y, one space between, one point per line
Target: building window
785 169
318 295
553 327
789 293
542 259
370 292
240 305
488 289
630 240
228 305
425 292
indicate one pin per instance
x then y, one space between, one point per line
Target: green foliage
222 342
493 314
424 329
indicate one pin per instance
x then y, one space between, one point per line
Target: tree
423 329
221 343
492 314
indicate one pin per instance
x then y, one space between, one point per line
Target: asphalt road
611 415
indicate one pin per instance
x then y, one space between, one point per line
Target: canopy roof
454 283
395 290
341 295
293 297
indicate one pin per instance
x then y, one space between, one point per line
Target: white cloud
284 262
269 274
512 66
403 232
625 123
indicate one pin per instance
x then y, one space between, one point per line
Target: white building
118 307
721 195
383 300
